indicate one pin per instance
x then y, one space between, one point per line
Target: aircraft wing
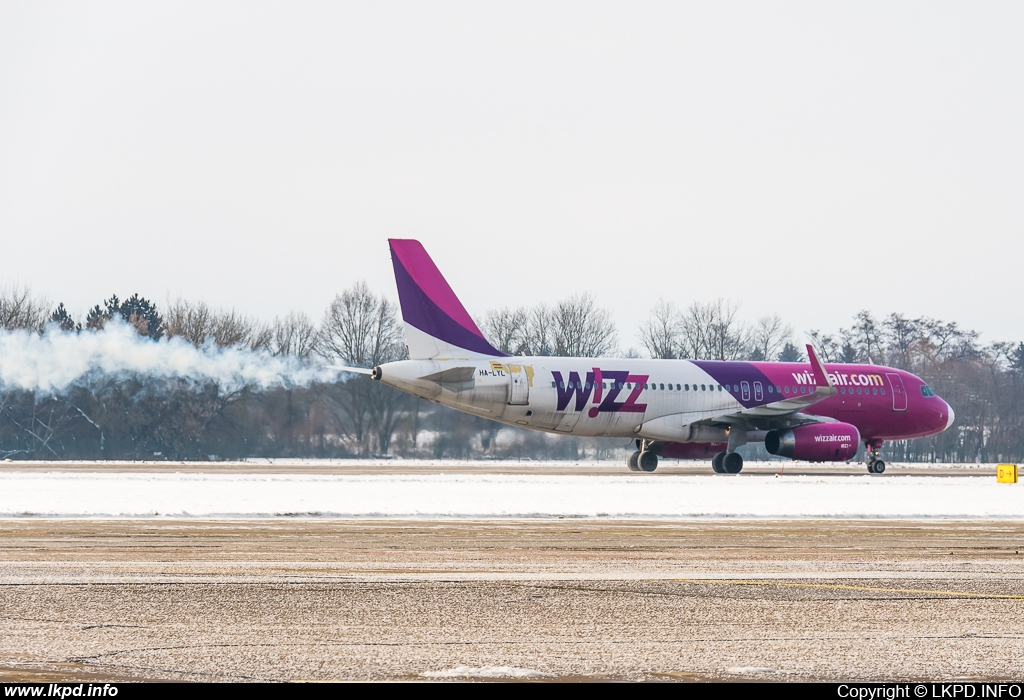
787 412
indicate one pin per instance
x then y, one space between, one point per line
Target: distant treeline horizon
121 409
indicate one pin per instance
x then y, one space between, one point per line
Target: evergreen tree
790 354
63 319
141 314
138 312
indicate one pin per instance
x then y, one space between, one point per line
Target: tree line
133 416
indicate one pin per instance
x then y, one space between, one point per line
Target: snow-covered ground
669 497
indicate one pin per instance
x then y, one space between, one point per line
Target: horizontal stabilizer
455 375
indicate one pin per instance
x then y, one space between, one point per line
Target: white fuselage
654 399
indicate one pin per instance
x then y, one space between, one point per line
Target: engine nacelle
817 442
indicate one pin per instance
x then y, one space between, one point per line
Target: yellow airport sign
1006 473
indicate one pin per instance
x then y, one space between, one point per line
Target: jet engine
817 442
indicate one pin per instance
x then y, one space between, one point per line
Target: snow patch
431 496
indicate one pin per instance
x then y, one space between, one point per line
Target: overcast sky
806 159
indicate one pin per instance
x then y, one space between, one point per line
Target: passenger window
661 386
874 391
677 388
771 389
703 387
786 389
883 392
561 385
686 387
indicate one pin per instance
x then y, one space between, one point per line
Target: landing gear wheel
718 463
632 460
871 450
733 463
648 461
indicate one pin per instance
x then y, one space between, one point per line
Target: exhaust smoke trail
53 361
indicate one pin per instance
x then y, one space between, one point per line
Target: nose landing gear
874 464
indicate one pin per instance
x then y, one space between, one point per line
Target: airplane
681 409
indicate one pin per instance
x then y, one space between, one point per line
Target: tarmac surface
322 600
497 466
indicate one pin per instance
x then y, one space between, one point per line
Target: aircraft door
758 392
519 386
899 393
745 390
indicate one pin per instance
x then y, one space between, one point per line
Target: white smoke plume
52 361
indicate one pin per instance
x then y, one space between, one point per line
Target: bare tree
902 334
711 331
295 335
540 331
197 323
361 329
582 329
190 321
768 336
825 345
662 333
20 310
834 348
508 330
866 337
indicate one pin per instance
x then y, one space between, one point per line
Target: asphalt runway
321 600
505 466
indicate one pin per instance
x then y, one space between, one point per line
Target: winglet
821 377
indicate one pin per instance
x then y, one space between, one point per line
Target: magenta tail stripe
424 273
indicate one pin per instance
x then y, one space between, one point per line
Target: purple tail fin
436 323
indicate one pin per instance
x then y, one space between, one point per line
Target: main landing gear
874 464
644 459
727 463
730 461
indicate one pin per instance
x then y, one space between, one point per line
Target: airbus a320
682 409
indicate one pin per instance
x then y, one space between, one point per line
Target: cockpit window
927 390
